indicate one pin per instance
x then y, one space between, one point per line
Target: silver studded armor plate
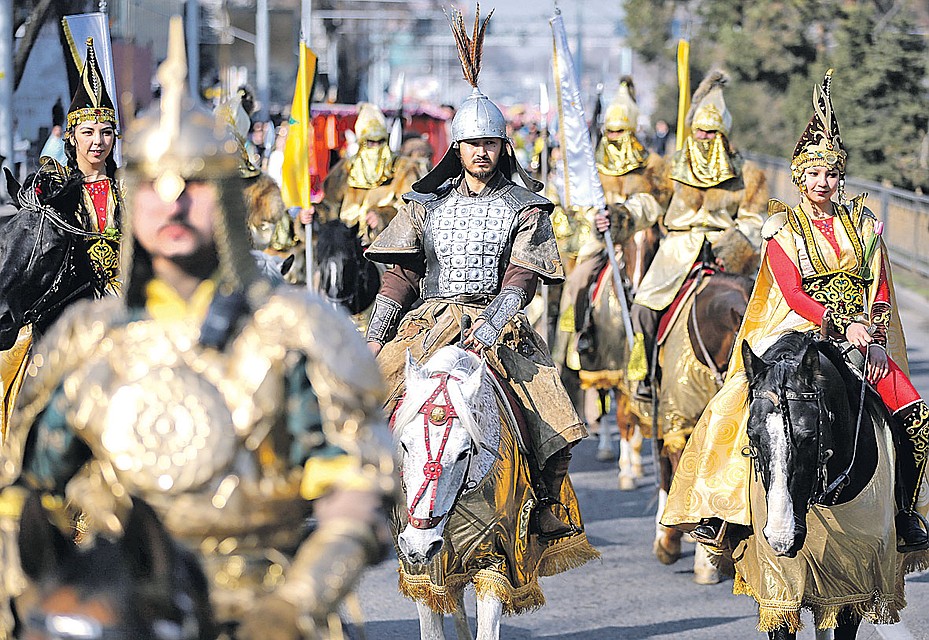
467 243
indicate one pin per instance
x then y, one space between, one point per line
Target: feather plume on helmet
708 110
478 116
821 142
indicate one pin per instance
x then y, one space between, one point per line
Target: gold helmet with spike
175 142
370 124
623 112
708 110
821 142
179 140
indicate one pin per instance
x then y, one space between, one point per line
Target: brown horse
694 356
603 354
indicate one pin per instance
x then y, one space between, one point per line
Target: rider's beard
482 174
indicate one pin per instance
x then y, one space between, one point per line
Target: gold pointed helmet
370 124
175 142
821 142
708 110
179 140
623 112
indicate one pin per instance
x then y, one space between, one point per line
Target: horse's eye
403 446
463 455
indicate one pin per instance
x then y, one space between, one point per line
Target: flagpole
306 29
543 161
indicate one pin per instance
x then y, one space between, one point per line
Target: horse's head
346 278
141 587
439 427
786 427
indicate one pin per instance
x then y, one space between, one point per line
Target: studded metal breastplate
467 243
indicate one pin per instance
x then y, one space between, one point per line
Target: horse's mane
335 238
474 415
785 358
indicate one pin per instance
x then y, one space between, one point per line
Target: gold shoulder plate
777 218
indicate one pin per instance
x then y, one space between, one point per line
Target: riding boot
645 323
911 440
549 525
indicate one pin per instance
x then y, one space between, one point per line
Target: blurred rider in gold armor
238 411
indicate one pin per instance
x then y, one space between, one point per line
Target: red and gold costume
832 271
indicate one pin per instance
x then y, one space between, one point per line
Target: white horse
468 501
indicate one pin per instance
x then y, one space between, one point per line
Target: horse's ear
42 547
146 545
13 187
412 370
354 228
753 364
472 383
810 360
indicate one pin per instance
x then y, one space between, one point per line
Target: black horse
811 436
44 267
142 586
346 278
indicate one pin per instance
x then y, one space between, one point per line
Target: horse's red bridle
439 415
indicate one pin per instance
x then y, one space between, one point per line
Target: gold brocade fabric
712 479
686 384
840 291
520 359
704 163
13 365
695 215
488 542
849 560
619 157
371 167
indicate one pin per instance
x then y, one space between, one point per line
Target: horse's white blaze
779 530
476 427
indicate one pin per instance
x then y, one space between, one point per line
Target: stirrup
917 546
711 534
571 528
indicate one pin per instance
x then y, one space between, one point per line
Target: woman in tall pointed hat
85 186
824 269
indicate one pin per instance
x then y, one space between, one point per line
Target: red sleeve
521 277
883 289
788 279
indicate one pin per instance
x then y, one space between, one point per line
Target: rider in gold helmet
235 409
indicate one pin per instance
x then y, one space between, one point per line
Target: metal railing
905 214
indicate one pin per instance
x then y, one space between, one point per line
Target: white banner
582 184
94 25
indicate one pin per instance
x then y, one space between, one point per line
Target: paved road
628 595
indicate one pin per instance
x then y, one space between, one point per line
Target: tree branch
33 26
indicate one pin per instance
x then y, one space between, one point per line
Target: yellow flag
683 85
299 152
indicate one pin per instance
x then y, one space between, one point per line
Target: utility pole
193 47
261 59
6 83
306 21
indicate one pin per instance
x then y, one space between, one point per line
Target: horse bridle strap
439 415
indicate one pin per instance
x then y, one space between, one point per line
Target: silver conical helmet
478 117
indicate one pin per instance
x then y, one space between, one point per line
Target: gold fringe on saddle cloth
488 542
849 561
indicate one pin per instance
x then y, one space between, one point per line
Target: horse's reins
718 374
439 415
842 479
